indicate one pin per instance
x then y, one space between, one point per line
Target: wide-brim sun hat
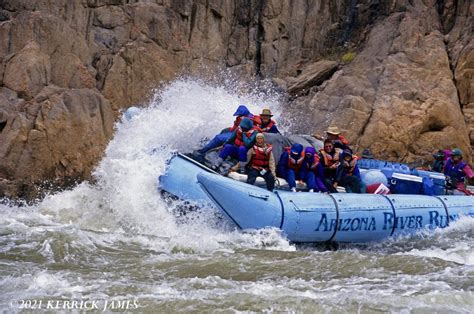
334 130
266 112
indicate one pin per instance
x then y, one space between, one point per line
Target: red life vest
256 121
261 159
343 139
236 123
266 128
293 163
238 136
330 160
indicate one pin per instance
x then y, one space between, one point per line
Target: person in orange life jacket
348 174
339 141
312 171
330 159
261 162
457 170
267 125
218 140
289 165
239 142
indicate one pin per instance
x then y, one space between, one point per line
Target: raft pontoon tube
317 217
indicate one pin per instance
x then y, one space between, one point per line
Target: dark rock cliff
395 75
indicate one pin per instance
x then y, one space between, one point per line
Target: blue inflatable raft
313 217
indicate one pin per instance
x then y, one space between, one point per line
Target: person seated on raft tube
457 170
330 159
439 161
289 165
218 140
241 140
267 125
348 174
312 171
261 162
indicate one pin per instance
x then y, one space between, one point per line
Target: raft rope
337 217
394 213
445 208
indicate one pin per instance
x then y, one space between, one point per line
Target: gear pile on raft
248 151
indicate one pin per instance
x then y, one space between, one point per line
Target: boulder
59 136
313 74
28 71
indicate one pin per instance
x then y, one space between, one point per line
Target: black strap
394 214
445 209
337 217
282 210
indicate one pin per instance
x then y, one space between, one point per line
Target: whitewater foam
125 199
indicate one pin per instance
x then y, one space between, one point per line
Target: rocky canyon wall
395 75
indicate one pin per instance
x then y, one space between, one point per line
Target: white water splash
125 198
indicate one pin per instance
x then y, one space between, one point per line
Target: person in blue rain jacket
289 165
312 172
241 140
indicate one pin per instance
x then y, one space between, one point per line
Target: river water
117 245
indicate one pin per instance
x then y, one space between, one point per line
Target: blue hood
296 149
242 111
246 124
310 150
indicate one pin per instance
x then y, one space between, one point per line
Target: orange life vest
293 163
330 160
261 159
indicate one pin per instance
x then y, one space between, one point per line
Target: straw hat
266 112
333 130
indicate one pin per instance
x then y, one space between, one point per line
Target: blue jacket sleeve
231 138
339 173
273 129
356 171
249 140
320 171
282 165
304 170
